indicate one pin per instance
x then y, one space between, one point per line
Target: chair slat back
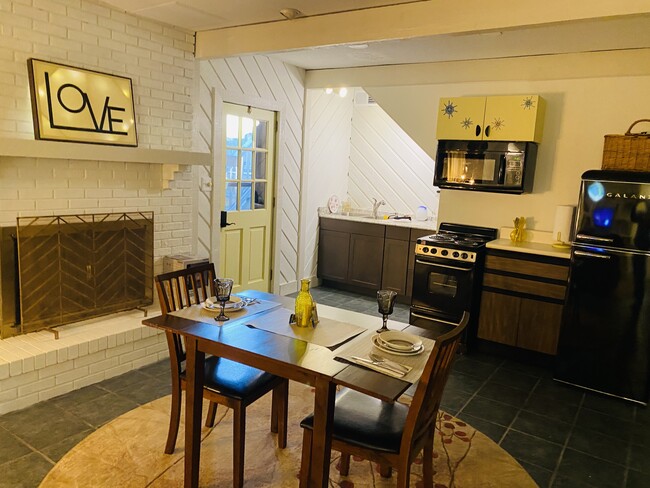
180 289
428 394
185 287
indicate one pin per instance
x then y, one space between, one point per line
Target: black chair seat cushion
366 421
234 379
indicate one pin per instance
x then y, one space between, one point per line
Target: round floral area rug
128 452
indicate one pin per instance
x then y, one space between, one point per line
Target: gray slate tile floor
563 436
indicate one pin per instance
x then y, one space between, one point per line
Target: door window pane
246 132
231 196
231 164
260 165
232 130
245 203
260 194
260 133
247 165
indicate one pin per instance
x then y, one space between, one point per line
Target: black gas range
447 277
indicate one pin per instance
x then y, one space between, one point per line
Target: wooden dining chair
227 383
391 434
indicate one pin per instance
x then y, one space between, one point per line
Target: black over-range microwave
504 167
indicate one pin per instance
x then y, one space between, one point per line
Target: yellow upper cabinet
498 118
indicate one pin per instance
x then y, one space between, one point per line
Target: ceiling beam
405 21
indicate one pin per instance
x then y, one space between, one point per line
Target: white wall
272 85
579 113
328 119
385 163
160 63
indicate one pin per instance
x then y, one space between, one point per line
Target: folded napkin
379 367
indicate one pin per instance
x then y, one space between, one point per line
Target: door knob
224 219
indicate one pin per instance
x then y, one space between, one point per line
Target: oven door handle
432 319
443 265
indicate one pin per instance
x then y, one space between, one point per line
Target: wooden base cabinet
522 300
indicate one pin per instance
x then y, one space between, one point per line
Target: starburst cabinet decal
528 103
498 124
466 123
450 109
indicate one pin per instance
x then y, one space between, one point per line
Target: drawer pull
592 255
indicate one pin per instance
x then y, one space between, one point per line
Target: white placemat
200 314
362 346
328 333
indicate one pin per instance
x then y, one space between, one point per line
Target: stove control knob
425 249
419 241
444 252
464 255
456 254
434 250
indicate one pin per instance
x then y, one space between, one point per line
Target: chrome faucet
375 206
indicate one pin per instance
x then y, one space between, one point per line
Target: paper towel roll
563 223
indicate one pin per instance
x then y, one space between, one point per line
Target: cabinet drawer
521 285
352 227
399 233
523 266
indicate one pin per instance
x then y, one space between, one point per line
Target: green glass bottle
304 305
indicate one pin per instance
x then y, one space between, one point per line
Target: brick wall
159 61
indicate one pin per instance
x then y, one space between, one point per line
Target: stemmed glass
222 288
385 303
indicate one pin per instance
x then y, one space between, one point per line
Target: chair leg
280 412
174 418
385 471
211 415
344 464
239 445
306 458
404 475
427 461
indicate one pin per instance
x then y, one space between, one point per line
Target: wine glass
222 288
385 304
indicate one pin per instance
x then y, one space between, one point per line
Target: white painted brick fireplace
160 62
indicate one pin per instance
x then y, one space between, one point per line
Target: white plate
235 303
381 347
399 341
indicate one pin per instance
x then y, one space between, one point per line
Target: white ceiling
584 36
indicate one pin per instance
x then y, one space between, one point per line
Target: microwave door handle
502 169
594 238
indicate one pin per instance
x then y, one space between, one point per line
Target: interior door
247 179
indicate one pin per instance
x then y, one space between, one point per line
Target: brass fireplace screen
74 267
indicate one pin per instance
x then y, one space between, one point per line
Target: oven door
443 289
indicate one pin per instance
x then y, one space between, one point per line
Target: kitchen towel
563 223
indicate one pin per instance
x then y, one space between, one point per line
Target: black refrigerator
604 341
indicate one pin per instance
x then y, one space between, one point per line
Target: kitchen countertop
428 225
537 242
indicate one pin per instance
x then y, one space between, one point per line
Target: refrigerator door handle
592 255
594 238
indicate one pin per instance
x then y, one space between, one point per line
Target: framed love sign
79 105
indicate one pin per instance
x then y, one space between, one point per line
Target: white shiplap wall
385 163
326 156
272 85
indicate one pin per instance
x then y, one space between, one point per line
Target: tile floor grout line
566 441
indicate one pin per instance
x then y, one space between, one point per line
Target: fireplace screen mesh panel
74 267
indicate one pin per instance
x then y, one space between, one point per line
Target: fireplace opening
57 270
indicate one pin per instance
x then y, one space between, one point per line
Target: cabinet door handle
478 130
592 255
487 131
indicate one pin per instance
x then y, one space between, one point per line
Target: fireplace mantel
28 148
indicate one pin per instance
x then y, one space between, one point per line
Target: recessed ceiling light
329 90
343 92
358 46
291 13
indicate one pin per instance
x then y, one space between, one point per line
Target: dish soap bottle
304 305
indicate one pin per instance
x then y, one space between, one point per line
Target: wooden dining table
284 356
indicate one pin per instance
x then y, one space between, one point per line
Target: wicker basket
627 152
